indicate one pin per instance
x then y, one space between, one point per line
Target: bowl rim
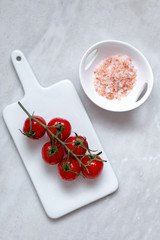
128 45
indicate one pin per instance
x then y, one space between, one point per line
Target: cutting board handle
24 72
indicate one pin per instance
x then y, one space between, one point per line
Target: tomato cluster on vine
71 153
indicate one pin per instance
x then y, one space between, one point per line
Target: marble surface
54 35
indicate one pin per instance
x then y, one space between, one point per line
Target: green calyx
52 151
79 142
30 132
66 166
59 128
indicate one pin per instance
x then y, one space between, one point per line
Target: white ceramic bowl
101 50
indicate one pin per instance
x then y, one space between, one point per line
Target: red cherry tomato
52 154
75 143
61 127
35 131
94 169
64 169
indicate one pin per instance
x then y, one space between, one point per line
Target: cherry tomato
76 142
64 169
52 154
94 169
34 130
61 128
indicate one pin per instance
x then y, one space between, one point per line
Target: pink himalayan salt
115 77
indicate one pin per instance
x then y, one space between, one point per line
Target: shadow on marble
90 205
115 119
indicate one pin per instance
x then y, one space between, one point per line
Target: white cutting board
60 100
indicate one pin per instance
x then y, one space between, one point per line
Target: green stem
29 115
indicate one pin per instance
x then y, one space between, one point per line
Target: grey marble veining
54 35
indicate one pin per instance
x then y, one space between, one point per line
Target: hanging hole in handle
18 58
90 58
142 92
